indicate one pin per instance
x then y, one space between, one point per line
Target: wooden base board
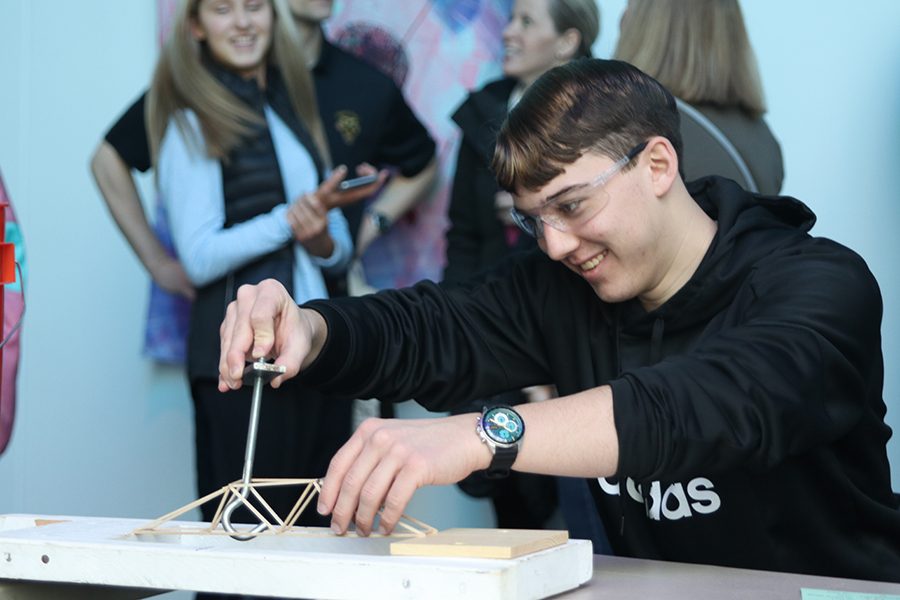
481 543
96 551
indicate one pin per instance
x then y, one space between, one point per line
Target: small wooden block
44 522
481 543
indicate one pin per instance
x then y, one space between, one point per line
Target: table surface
614 577
626 578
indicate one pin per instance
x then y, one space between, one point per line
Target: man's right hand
264 321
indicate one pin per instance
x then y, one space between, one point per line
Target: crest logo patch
348 125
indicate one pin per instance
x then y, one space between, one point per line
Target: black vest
252 185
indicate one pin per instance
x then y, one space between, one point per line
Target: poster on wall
437 51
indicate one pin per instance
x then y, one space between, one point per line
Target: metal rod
262 373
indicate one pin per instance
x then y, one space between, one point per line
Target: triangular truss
239 493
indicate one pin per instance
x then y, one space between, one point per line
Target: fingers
387 460
248 331
277 332
333 197
226 344
374 471
337 470
401 492
307 217
365 169
236 339
362 493
330 185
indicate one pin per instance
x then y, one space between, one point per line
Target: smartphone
350 184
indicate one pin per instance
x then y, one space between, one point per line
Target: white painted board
101 551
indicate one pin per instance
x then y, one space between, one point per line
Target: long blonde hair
181 81
699 49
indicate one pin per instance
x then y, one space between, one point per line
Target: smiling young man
719 369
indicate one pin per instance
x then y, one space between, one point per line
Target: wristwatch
380 220
501 428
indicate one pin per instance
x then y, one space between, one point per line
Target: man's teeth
590 264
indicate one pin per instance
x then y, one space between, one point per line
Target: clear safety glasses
576 206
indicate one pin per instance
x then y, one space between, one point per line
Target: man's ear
567 44
663 164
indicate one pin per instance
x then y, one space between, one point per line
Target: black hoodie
748 407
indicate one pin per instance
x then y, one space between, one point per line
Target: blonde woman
699 50
240 153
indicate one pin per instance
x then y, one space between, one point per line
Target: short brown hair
588 105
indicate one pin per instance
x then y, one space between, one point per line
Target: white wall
101 431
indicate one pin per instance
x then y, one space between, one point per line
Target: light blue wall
101 431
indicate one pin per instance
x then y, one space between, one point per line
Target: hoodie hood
749 227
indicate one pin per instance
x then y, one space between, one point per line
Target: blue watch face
503 425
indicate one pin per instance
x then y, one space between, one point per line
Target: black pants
299 431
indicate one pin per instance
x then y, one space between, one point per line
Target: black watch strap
502 462
381 220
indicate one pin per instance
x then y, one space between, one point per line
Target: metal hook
261 373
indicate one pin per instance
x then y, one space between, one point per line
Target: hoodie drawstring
656 336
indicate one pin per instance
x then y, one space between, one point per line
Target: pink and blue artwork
437 51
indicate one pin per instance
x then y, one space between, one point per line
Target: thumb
330 185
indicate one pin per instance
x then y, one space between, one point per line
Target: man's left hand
387 460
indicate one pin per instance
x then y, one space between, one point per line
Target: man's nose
558 244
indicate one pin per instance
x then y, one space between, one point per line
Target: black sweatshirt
748 407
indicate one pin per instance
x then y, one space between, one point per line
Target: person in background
699 50
367 120
720 369
376 127
242 167
540 35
